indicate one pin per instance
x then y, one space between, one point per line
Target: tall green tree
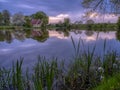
1 18
6 17
27 21
42 16
67 23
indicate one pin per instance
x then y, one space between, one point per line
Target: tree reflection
2 36
118 35
78 32
19 35
89 33
27 33
8 37
40 36
66 33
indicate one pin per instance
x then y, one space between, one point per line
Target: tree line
19 19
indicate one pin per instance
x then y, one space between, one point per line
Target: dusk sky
55 9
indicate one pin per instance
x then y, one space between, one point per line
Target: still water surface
29 44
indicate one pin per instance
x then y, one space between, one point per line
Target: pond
32 43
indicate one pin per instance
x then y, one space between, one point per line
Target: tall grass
44 74
87 71
111 83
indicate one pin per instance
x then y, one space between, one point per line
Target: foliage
66 23
1 18
44 74
7 27
17 79
96 26
6 17
87 71
42 16
112 83
18 19
27 23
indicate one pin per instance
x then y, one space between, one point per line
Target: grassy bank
46 75
111 83
6 27
95 27
86 71
82 74
18 28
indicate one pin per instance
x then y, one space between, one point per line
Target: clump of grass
87 71
44 74
4 78
79 75
111 83
17 78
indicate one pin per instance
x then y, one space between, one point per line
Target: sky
56 9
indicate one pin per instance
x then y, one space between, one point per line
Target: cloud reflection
95 36
56 34
5 50
27 45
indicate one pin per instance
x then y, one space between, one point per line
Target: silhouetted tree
1 18
107 6
6 17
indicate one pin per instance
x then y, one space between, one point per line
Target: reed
87 71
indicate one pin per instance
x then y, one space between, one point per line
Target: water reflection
2 36
21 35
89 33
77 31
8 37
59 34
42 36
31 43
118 35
